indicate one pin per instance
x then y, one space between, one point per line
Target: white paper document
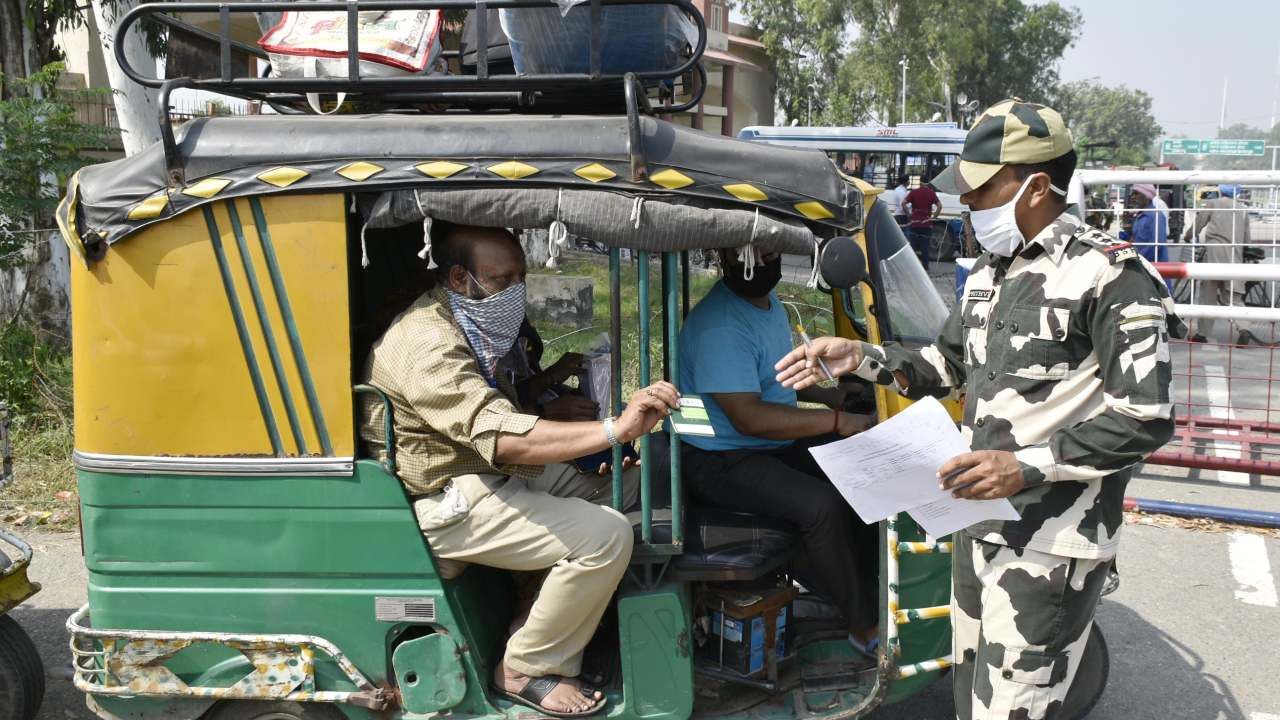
893 468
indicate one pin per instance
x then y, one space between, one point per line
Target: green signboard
1183 146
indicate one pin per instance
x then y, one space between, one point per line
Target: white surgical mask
996 229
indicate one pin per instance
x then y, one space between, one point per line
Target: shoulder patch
1117 251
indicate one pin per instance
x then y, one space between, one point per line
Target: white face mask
996 229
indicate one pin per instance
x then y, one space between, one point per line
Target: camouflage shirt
1061 353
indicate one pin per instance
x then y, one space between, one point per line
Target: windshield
916 312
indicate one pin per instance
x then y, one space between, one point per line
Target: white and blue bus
878 155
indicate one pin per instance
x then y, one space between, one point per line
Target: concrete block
565 300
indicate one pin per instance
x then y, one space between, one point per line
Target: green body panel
429 673
657 662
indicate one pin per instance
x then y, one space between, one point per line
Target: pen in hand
809 343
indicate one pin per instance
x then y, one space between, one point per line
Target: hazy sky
1179 51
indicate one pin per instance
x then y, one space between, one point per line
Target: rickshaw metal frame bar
215 466
670 268
482 48
933 665
370 696
615 363
291 326
242 330
269 337
636 101
388 423
24 550
642 303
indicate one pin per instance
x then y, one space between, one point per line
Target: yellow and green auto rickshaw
21 671
247 558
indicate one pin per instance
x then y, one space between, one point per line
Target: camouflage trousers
1021 619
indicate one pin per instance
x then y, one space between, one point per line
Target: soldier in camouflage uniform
1059 347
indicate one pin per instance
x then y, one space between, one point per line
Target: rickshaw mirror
842 263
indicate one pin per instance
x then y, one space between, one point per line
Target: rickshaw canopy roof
227 157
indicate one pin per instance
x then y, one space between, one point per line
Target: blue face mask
491 324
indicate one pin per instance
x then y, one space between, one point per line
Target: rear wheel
1090 679
272 710
21 673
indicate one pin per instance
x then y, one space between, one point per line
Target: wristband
609 432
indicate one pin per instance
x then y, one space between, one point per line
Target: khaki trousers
558 521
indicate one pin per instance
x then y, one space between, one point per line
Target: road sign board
1184 146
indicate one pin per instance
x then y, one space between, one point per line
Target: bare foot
567 697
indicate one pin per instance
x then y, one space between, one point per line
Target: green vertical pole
615 362
642 302
671 269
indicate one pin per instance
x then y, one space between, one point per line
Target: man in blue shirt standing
1150 234
758 462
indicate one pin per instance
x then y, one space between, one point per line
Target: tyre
21 673
1090 679
273 710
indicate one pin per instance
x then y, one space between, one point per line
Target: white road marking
1220 407
1263 716
1252 570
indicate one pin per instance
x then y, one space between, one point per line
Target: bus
878 155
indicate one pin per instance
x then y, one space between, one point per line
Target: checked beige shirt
446 415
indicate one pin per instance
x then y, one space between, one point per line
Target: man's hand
853 423
982 475
799 369
571 408
566 367
646 409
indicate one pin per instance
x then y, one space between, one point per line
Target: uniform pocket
1038 336
1027 682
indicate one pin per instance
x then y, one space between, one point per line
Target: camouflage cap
1011 132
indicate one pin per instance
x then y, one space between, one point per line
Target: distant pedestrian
1150 233
922 207
1222 229
897 199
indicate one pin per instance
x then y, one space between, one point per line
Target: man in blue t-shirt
758 462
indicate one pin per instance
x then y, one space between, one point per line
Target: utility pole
903 63
1222 119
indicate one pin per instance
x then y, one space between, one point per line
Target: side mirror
842 263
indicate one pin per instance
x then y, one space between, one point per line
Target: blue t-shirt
729 345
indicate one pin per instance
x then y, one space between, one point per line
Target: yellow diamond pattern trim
207 188
513 170
359 170
440 169
671 179
746 191
150 208
595 172
814 210
282 176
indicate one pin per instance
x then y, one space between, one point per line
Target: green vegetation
813 306
35 383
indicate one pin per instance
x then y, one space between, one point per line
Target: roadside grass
35 384
813 306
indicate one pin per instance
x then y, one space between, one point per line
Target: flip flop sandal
868 650
537 690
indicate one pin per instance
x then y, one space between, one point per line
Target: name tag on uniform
981 294
1122 253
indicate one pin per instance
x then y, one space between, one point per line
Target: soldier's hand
799 369
982 475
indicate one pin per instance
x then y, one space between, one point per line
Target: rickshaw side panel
160 369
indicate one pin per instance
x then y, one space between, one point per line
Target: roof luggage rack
483 90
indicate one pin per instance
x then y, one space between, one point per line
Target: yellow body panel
159 366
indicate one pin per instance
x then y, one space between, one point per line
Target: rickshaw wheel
21 673
272 710
1090 679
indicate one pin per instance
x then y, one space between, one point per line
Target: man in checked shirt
1060 348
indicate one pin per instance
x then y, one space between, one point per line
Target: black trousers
840 553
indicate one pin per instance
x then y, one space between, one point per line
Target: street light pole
903 63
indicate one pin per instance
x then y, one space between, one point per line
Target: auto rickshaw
21 670
248 559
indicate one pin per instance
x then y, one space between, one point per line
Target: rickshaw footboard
14 585
131 663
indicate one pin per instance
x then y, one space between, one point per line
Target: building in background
740 78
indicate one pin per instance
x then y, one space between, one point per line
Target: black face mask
763 280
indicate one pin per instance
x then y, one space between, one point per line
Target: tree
136 106
1098 113
851 51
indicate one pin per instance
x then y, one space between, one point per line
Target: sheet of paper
893 468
